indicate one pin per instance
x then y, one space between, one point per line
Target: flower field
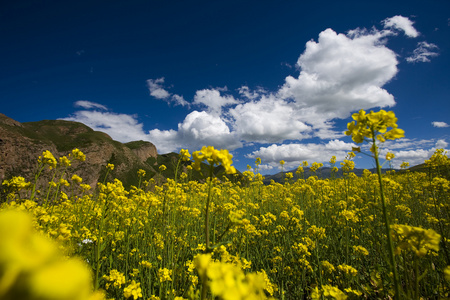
313 238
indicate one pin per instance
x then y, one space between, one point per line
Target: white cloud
439 124
198 129
202 128
401 23
441 144
165 140
423 151
340 74
212 99
294 154
89 104
423 52
268 120
405 144
120 127
158 91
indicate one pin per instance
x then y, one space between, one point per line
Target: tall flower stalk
373 126
213 157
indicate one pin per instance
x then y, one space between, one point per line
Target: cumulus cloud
441 144
213 100
158 91
120 127
439 124
401 23
268 120
414 155
342 73
198 129
423 52
88 105
294 154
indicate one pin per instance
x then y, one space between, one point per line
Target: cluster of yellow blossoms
32 267
374 124
228 282
213 157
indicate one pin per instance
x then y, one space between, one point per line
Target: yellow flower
333 160
31 264
76 178
447 273
164 275
64 161
162 168
110 167
78 155
115 277
418 240
348 270
213 157
17 183
328 292
390 156
327 266
133 289
374 123
185 156
361 250
47 158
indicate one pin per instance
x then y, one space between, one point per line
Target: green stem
208 201
386 222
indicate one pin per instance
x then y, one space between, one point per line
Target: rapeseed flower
374 123
184 154
32 265
213 157
133 290
48 159
418 240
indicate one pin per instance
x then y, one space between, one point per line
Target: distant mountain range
22 143
323 173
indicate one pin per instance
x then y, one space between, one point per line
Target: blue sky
272 79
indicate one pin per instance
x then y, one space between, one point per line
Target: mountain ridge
22 143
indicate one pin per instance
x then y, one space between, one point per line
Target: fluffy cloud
198 129
423 52
120 127
158 91
268 120
294 154
88 104
440 124
202 128
401 23
340 74
213 100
